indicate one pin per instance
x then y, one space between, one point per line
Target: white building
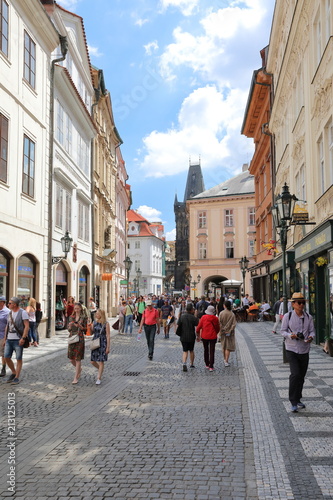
27 39
145 248
74 130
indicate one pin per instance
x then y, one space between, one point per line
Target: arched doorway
83 285
212 286
26 284
61 295
4 272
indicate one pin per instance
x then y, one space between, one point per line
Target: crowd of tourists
206 320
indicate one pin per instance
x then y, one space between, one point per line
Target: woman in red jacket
207 330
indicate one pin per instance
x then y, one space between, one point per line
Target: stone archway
212 286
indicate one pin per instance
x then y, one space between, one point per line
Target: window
300 184
83 155
229 249
26 279
63 208
3 147
228 218
83 224
321 166
29 60
252 216
137 244
4 271
28 167
202 251
83 284
201 219
137 265
251 248
4 27
64 128
60 123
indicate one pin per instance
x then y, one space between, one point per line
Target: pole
127 286
244 273
283 236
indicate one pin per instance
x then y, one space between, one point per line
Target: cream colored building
300 58
221 232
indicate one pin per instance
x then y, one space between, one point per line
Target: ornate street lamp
243 264
194 282
128 266
66 243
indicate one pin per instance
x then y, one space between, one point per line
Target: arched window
83 285
4 271
26 279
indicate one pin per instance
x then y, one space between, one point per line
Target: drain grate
131 374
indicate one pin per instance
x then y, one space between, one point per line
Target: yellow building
221 232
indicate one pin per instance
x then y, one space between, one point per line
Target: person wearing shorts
16 331
187 323
4 311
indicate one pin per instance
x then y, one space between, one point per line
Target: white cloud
94 51
151 47
171 235
209 125
221 44
185 6
149 213
68 4
141 22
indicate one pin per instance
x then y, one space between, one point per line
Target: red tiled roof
133 216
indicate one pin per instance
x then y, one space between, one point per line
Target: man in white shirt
16 331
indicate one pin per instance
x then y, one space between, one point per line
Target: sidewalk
151 431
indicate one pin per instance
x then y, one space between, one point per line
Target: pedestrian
298 331
31 310
140 306
276 309
39 315
129 312
92 308
201 306
166 316
69 309
228 322
16 332
100 329
150 321
4 311
208 329
186 330
77 326
121 316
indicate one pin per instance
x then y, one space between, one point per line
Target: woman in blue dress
100 328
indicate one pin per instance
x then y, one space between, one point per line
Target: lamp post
194 282
214 286
243 264
66 243
138 276
282 215
128 265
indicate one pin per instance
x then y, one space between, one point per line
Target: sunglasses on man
300 302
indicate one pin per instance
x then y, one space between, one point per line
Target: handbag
95 344
115 325
73 339
26 343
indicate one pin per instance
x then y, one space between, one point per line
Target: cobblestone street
152 431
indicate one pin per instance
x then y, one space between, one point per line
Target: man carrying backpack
298 330
201 307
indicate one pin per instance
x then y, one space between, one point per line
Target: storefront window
4 268
26 279
83 285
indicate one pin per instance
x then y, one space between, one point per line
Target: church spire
195 183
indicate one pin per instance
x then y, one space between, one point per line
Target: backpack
201 309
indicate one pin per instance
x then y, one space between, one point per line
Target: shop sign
300 213
314 245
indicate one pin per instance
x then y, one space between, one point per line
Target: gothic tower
194 186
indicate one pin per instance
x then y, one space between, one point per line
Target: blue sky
179 73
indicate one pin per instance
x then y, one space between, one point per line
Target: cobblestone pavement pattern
152 431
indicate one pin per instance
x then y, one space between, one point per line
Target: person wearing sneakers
298 331
186 331
16 331
150 320
228 323
207 330
4 311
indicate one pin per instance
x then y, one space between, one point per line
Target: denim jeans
129 322
150 331
32 331
10 347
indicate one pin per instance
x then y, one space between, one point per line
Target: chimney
245 167
49 6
